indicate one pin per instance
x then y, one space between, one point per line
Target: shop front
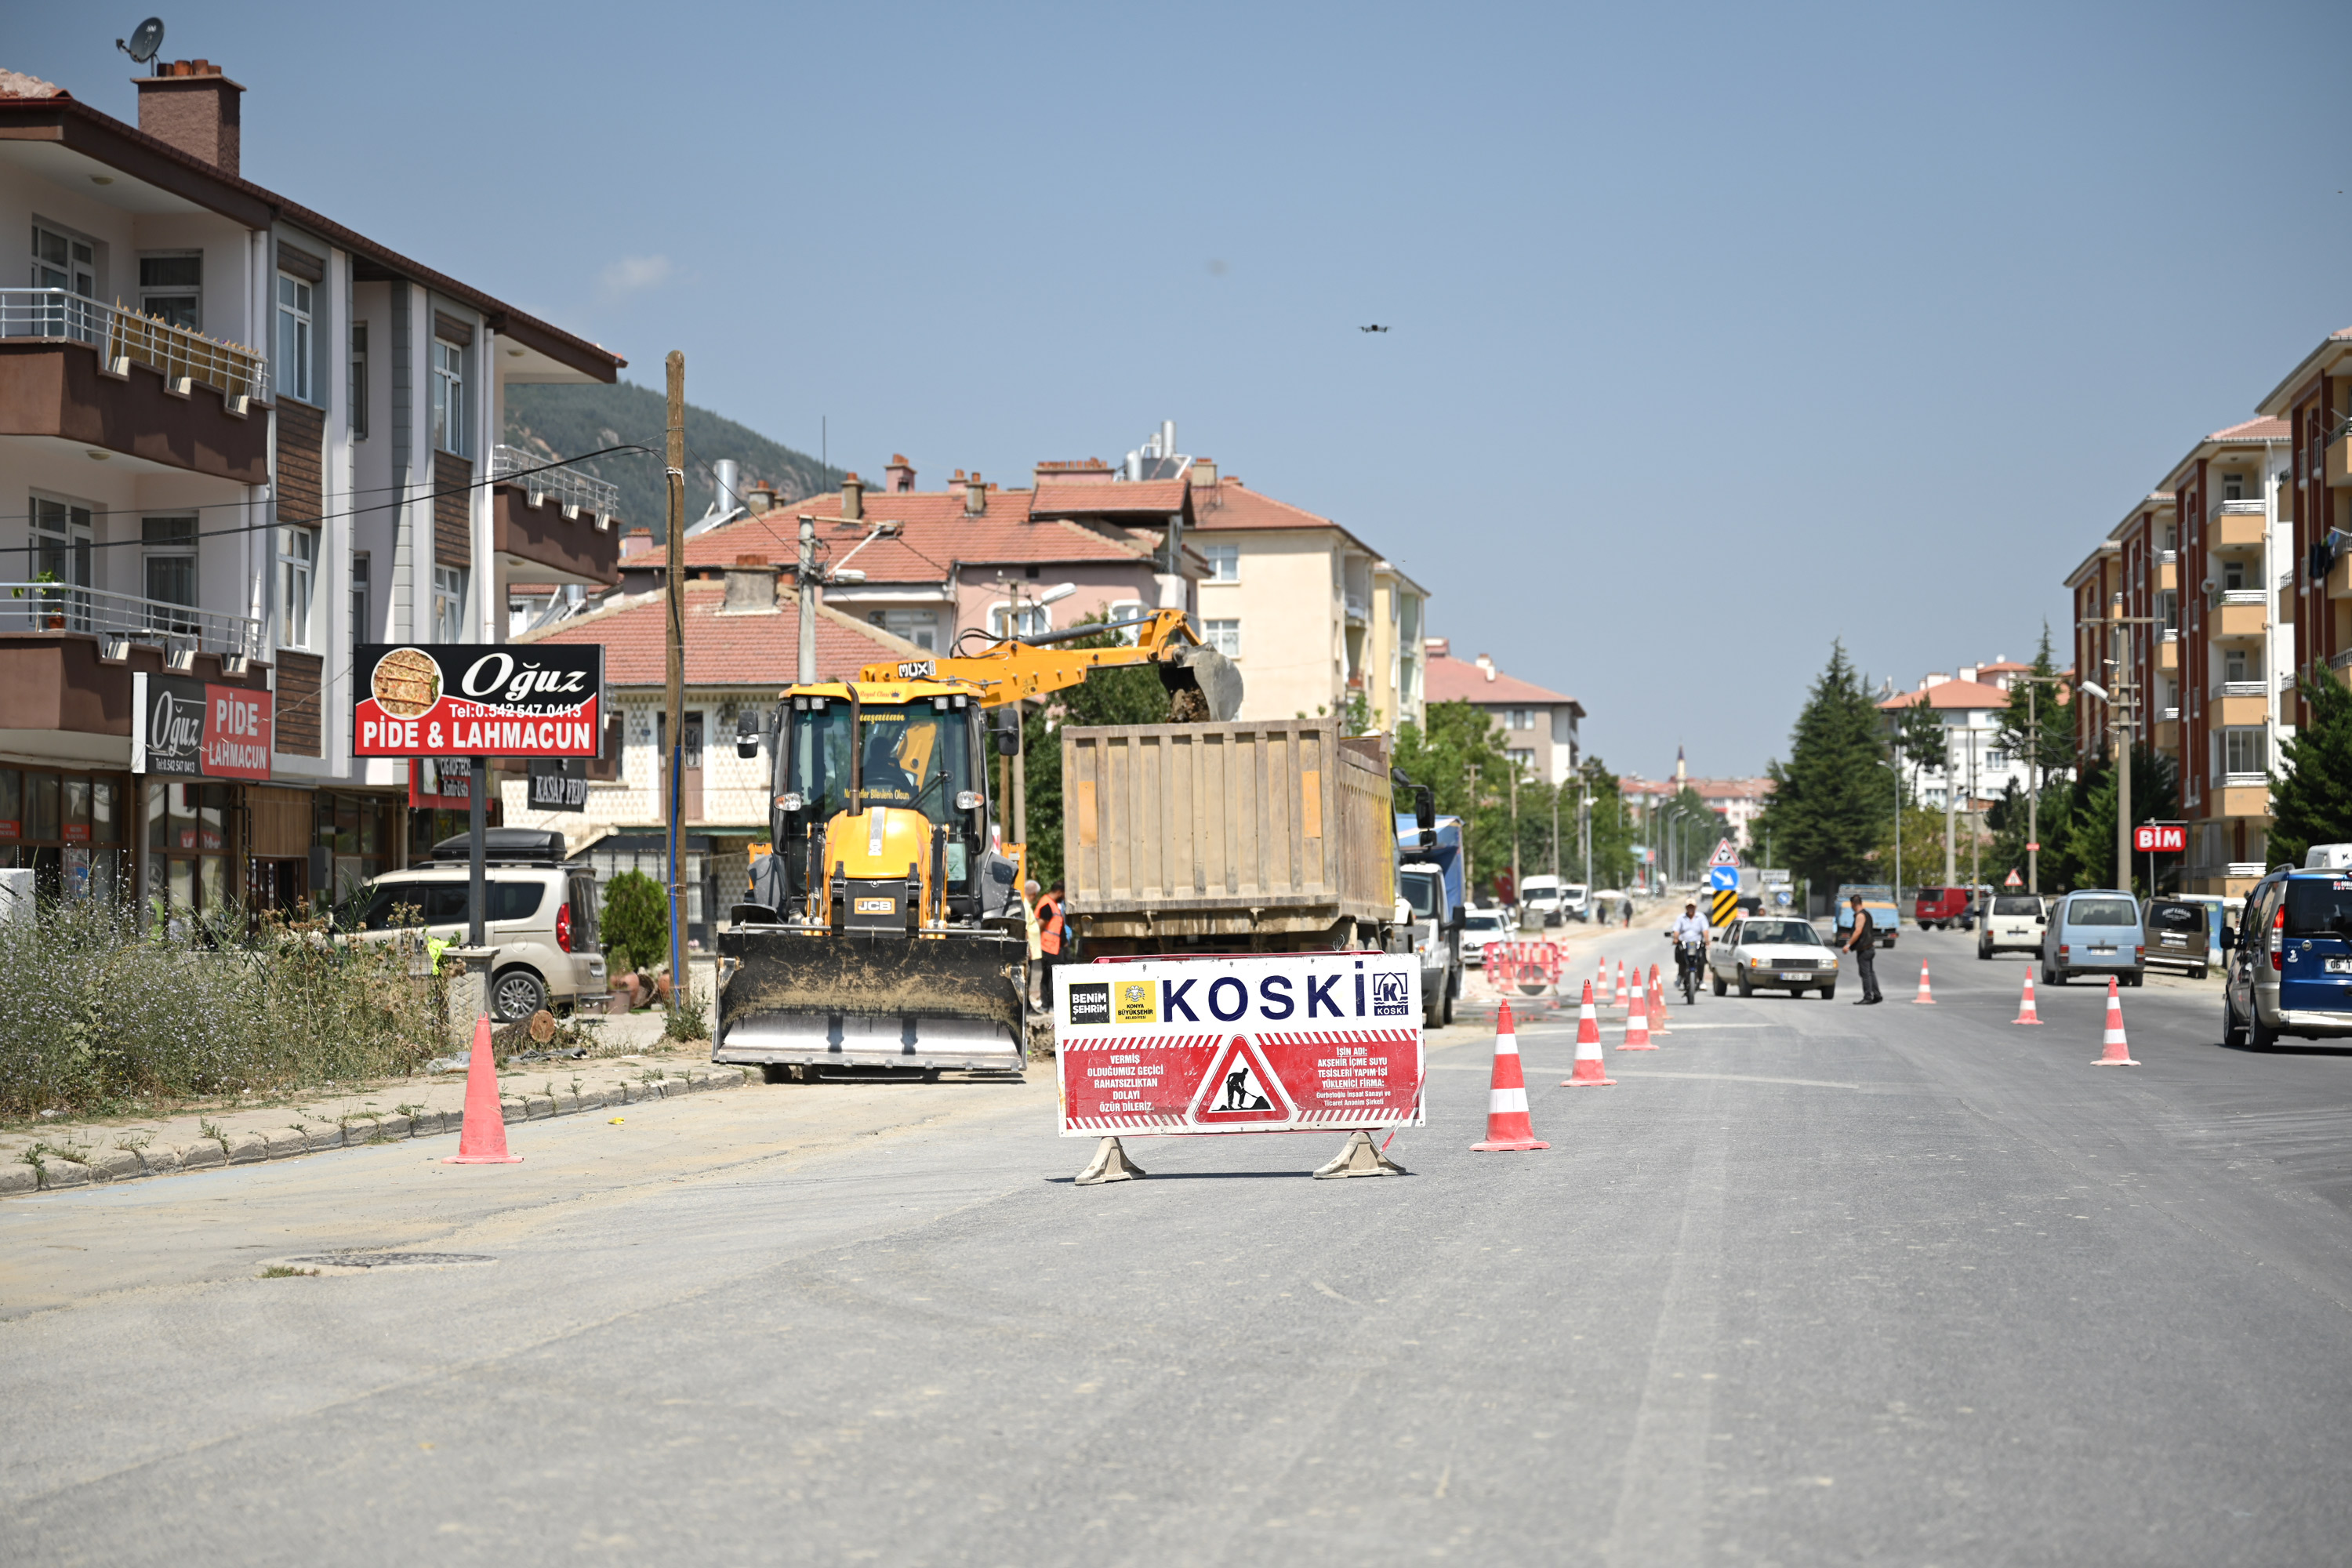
68 828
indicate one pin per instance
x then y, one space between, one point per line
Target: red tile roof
935 535
1450 679
1952 694
721 649
2255 430
1155 499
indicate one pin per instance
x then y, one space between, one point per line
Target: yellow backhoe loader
884 928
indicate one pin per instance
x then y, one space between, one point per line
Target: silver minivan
540 915
2094 932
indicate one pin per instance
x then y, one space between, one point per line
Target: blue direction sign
1723 878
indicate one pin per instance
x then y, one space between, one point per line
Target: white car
1480 926
1773 953
2015 924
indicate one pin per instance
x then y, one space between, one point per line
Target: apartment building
2315 581
2234 506
1739 802
1077 543
1317 620
1540 729
1977 766
236 438
742 647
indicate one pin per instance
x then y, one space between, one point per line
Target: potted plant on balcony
52 616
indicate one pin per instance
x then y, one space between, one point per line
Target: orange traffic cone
1602 979
1657 1003
2025 1012
2119 1051
1507 1127
1589 1073
1637 1024
1925 996
1620 980
482 1136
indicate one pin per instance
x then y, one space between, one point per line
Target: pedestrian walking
1862 943
1053 925
1626 905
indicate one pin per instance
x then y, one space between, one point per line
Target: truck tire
1452 989
2197 973
1433 1009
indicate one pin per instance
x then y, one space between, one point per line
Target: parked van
1543 901
539 913
2290 964
1940 909
2013 923
2094 932
2179 935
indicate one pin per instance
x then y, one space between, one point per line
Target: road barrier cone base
1594 1080
1110 1163
1360 1157
1509 1145
482 1133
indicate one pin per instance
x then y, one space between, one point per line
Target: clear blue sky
1720 331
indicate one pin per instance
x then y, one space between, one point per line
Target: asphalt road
1814 1284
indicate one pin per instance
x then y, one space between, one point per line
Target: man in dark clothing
1862 943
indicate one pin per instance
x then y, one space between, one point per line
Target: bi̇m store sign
476 700
192 728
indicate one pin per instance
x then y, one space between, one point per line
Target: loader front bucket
812 998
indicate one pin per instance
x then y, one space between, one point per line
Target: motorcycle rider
1690 935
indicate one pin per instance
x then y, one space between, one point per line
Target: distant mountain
559 421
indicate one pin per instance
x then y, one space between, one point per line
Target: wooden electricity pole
674 693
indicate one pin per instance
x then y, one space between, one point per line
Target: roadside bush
636 918
101 1013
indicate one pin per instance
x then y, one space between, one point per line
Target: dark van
2289 970
2177 936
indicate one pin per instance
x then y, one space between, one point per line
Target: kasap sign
1307 1042
476 700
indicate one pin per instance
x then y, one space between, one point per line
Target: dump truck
1261 837
884 928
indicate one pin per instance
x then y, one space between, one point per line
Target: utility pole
1470 819
2123 697
1951 806
2034 684
674 693
1515 832
806 602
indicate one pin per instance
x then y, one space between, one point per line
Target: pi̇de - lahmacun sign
1295 1043
476 700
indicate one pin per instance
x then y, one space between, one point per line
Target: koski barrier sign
1307 1042
478 699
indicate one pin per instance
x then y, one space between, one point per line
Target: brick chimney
853 499
751 587
975 496
899 477
760 496
194 107
1203 473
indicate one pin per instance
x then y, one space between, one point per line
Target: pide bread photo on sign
479 699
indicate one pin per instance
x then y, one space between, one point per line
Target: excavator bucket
793 996
1193 668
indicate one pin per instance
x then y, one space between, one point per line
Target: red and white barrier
1589 1073
1508 1129
2119 1051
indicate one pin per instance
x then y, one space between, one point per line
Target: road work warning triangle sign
2014 880
1725 855
1240 1087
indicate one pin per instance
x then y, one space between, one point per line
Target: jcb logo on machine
1135 1002
876 905
918 669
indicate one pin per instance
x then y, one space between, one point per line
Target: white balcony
2245 596
2245 868
577 492
2240 688
32 609
122 337
2245 781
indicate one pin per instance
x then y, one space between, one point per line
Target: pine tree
2034 705
2311 794
1830 798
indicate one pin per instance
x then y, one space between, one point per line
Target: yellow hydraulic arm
1034 667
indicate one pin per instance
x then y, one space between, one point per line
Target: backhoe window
915 757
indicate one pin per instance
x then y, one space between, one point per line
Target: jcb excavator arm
1032 666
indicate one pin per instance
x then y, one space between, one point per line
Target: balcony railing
576 491
121 336
2245 868
2245 596
2241 689
1356 607
37 608
2234 509
2245 781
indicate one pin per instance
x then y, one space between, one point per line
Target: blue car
2094 932
2289 970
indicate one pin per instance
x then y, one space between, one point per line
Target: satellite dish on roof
144 41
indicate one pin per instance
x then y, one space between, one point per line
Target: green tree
1458 753
2012 827
2080 851
1920 738
2311 794
1133 695
2038 726
1612 833
1831 797
635 918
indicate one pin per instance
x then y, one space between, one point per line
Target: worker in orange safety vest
1053 925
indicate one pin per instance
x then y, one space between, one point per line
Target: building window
61 543
2168 610
188 843
172 288
448 397
2245 750
1007 619
1128 610
358 395
294 336
448 604
170 545
921 627
2240 664
359 601
2234 486
1521 719
1524 756
68 262
1225 636
1224 561
298 552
